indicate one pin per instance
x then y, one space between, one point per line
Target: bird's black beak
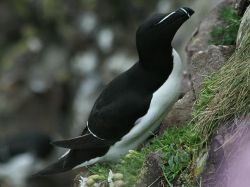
185 11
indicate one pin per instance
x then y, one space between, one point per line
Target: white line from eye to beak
165 18
185 12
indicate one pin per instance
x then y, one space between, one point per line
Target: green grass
226 33
177 146
225 94
224 97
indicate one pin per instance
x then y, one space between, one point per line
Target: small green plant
226 33
177 146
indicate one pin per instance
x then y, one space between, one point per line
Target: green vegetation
226 93
177 146
226 33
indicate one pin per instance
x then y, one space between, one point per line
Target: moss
226 33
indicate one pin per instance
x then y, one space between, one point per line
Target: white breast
161 102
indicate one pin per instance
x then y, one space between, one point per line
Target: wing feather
87 141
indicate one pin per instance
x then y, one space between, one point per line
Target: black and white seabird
23 154
33 142
133 105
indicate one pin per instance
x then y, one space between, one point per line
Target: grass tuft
226 93
226 33
177 146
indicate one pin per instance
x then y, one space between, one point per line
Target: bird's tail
63 164
71 159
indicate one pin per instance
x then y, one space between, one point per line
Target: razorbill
23 154
33 142
133 105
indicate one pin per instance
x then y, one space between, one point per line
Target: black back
124 100
127 97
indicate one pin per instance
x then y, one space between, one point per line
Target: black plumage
125 100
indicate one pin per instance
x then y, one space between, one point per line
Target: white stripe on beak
167 16
185 12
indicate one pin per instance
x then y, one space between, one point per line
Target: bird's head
155 35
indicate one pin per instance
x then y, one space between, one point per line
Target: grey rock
201 36
228 155
241 6
244 27
152 174
203 63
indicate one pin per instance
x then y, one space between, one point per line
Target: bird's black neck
159 60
